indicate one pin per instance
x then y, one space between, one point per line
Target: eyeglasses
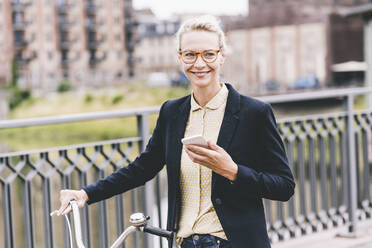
189 57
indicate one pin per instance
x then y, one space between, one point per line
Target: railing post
8 215
352 183
143 125
368 57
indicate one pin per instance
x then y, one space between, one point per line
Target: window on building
118 37
61 2
64 53
17 17
141 29
92 54
18 35
120 54
50 55
119 75
91 36
151 28
64 36
160 28
62 18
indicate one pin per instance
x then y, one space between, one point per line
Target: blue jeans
205 241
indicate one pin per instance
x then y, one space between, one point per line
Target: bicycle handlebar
157 231
77 224
138 221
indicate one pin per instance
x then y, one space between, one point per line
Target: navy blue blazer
249 134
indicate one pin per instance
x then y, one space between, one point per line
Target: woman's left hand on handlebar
67 195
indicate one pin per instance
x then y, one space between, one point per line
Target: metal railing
330 156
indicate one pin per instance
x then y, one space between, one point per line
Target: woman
215 193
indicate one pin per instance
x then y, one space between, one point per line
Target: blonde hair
207 23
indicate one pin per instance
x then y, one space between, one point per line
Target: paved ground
330 239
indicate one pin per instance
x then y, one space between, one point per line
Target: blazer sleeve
142 169
272 179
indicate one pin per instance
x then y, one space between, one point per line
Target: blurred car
156 79
180 79
307 82
271 86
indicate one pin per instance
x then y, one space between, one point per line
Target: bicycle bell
138 219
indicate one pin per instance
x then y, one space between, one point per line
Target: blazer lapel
229 123
178 132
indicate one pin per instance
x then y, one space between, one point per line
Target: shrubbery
88 98
117 99
64 86
18 96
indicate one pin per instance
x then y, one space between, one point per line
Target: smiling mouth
200 73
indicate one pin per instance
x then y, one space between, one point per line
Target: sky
165 8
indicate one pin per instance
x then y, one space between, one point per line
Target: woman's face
200 73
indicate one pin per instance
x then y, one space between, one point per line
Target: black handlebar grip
158 232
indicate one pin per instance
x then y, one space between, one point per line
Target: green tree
17 95
14 73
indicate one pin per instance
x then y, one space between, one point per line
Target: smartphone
195 140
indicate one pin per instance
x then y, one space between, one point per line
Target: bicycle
138 223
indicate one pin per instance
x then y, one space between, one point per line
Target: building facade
279 54
83 41
288 40
156 50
